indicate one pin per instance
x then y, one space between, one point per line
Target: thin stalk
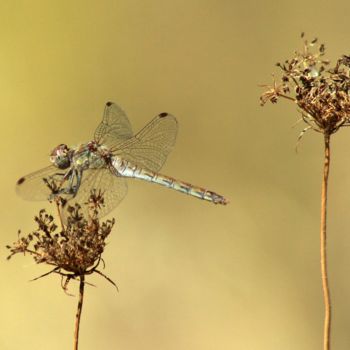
287 97
79 310
324 273
59 213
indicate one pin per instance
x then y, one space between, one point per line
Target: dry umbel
75 249
320 92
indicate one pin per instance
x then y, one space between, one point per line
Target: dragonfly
104 164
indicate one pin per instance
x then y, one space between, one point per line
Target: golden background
191 275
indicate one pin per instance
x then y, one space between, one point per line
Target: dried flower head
321 93
74 250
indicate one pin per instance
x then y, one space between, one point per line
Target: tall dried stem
325 285
322 94
79 310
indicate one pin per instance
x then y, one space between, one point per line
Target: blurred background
191 275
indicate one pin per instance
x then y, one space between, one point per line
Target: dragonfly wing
150 147
114 128
114 189
32 186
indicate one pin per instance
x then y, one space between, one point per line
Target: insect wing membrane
112 187
150 147
115 127
33 187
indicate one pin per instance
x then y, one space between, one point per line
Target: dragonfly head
60 156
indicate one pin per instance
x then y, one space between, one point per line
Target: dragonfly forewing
115 127
33 186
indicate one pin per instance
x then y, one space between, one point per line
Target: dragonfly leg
59 176
75 176
73 180
58 179
78 176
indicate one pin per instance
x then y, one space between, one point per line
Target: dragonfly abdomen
127 169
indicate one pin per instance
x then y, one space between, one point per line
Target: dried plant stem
287 97
79 310
59 213
325 285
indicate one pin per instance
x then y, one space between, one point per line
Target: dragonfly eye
60 156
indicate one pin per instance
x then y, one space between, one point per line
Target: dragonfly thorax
90 156
60 156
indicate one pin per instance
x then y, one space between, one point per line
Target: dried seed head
321 93
73 250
